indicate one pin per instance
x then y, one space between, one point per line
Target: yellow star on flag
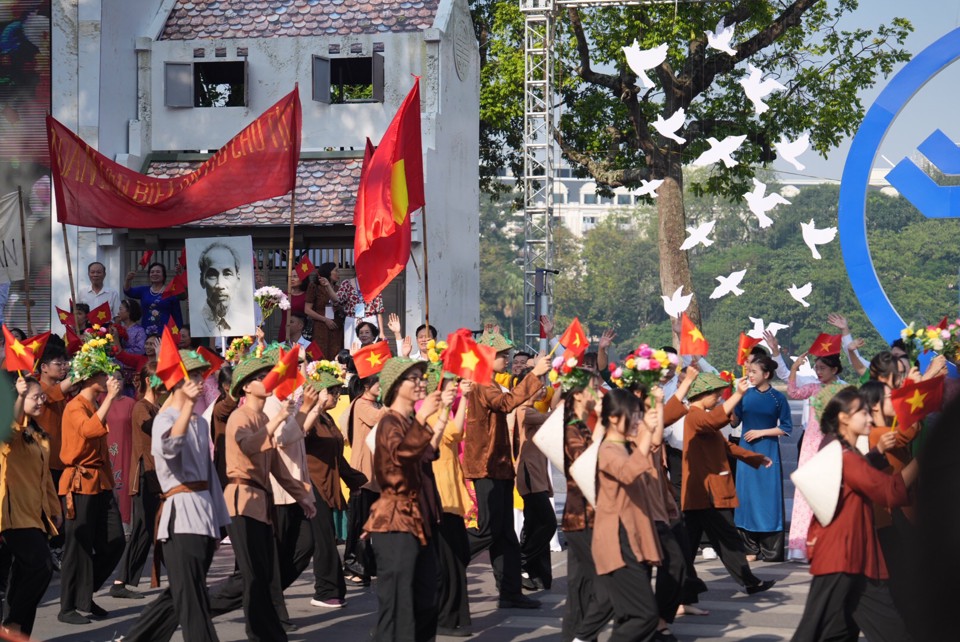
19 348
280 368
374 359
33 346
304 267
916 401
469 360
101 315
576 340
826 345
696 335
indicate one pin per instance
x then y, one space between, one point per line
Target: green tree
605 127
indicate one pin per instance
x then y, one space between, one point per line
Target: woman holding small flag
156 304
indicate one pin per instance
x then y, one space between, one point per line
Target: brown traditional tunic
84 450
218 433
487 453
533 474
398 463
141 460
51 420
324 444
365 415
578 514
622 500
330 341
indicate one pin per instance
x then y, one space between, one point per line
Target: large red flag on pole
258 163
391 188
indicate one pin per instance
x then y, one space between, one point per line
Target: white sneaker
709 553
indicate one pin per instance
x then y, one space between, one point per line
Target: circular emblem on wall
464 45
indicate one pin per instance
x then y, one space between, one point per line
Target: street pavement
733 615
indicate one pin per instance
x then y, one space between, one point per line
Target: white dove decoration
788 150
640 60
814 237
805 369
728 284
758 328
720 150
649 188
698 235
668 128
760 203
676 304
757 89
801 293
720 38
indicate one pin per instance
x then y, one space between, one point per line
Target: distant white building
158 85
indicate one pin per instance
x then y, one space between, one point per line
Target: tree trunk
674 266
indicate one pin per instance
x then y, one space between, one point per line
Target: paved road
734 615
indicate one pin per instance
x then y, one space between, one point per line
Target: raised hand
772 342
542 365
606 339
192 390
547 324
431 403
393 322
114 387
839 322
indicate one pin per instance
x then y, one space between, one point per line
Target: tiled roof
326 193
199 20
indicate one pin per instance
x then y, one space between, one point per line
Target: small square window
590 198
220 84
623 199
348 80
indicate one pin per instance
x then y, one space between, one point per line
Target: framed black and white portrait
220 275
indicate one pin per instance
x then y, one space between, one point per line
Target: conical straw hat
549 439
819 479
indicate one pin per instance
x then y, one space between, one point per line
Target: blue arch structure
856 176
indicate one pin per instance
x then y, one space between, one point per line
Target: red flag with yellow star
369 359
100 315
914 401
746 345
314 352
304 267
72 339
170 368
177 286
692 341
64 316
174 330
18 356
145 258
825 345
467 359
574 339
285 377
214 359
37 344
391 189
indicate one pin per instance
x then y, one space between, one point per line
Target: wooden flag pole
26 260
73 289
426 270
293 207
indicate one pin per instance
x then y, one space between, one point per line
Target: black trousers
900 543
588 606
227 596
328 580
675 467
30 575
142 519
93 544
840 605
495 532
634 604
184 602
672 574
766 546
56 542
453 555
358 557
724 537
406 589
255 552
539 525
294 543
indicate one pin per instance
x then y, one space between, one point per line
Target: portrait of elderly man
225 307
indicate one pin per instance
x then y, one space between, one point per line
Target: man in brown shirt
536 489
488 461
93 531
56 384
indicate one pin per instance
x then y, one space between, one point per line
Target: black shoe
666 635
289 627
765 585
97 611
73 617
122 592
518 601
531 583
56 554
454 632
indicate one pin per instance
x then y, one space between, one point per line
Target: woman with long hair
29 507
765 415
849 590
297 295
827 369
322 306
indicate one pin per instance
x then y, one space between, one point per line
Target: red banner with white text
258 163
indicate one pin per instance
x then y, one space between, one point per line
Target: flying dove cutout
676 304
668 128
814 237
788 150
698 235
641 60
720 38
758 328
649 188
760 202
728 284
756 89
801 293
720 150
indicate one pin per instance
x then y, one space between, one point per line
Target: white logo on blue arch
931 199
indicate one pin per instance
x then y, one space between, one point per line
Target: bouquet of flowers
316 368
644 367
238 348
943 338
435 350
95 355
269 299
567 375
